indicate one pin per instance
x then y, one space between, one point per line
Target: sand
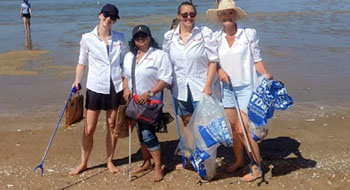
307 147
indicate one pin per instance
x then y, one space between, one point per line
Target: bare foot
112 168
181 166
158 175
234 167
144 167
254 175
78 170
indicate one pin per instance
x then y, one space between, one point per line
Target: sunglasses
185 15
140 36
112 17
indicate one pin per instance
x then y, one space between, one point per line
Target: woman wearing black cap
153 72
102 50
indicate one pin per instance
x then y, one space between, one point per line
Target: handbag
74 110
148 113
123 122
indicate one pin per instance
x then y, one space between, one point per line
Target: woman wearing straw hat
240 59
193 52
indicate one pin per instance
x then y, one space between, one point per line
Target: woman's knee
150 140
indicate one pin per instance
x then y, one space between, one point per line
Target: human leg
149 140
146 165
111 140
87 139
237 143
256 172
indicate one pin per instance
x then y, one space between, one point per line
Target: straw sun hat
212 14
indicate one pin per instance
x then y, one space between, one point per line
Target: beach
305 44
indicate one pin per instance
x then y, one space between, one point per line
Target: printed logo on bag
139 116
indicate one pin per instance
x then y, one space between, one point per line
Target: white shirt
25 8
103 67
152 67
238 60
191 60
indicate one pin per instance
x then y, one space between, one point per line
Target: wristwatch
150 93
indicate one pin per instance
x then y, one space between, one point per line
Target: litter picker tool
178 130
74 90
250 152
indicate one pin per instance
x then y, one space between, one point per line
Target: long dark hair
134 48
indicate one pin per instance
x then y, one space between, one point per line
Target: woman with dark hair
153 72
193 53
25 12
102 51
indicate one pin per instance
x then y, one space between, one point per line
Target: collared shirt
152 67
238 60
191 60
25 8
103 66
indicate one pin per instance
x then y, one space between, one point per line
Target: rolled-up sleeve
210 44
255 46
127 63
165 69
84 52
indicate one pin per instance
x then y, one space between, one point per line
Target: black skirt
98 101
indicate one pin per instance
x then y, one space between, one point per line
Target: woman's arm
157 88
261 68
210 78
79 72
127 91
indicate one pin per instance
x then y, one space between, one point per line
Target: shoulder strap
133 68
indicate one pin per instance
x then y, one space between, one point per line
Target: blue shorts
243 94
186 107
147 136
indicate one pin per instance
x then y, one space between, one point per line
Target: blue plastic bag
268 95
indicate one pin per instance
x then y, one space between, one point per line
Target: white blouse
238 60
191 60
103 66
152 67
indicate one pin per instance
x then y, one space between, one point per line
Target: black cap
143 29
111 10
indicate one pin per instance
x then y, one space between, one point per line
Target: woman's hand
207 90
269 76
143 98
223 76
76 85
127 94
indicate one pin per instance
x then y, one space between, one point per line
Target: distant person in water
25 13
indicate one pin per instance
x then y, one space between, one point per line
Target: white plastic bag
206 131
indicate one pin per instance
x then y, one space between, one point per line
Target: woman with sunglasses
153 72
193 53
240 59
102 51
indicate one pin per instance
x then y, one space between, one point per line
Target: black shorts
98 101
26 15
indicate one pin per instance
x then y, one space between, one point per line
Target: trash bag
268 95
206 131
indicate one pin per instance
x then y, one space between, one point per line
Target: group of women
190 57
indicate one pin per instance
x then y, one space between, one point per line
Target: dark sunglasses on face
106 15
185 15
140 36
